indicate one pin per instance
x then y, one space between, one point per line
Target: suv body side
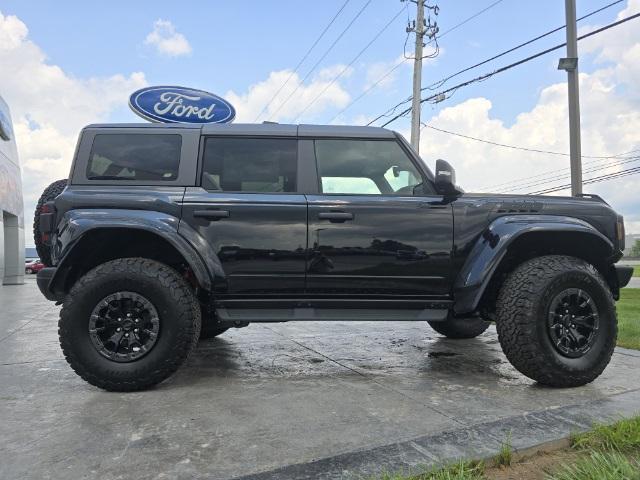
288 249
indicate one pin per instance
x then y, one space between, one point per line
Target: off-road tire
459 328
177 308
521 320
50 193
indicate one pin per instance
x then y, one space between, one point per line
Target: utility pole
417 77
570 65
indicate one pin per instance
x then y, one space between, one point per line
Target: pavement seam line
16 330
402 394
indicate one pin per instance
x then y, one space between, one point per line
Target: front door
247 210
376 228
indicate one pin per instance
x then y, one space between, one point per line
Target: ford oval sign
180 105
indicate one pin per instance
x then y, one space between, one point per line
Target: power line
442 95
371 87
539 182
477 14
602 178
264 109
366 47
518 182
527 181
324 55
395 67
517 47
514 147
543 178
441 82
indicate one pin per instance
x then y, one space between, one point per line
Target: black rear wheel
459 328
50 193
128 324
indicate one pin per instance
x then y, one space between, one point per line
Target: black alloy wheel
573 322
124 326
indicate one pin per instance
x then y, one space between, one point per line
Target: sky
68 64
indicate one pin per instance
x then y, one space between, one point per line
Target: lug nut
126 334
118 329
119 319
135 330
128 315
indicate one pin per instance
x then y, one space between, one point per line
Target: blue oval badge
180 105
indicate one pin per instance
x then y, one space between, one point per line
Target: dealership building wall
11 204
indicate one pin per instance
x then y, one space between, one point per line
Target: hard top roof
257 129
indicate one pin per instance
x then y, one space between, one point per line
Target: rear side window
134 156
254 165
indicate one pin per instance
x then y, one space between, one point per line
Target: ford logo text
180 105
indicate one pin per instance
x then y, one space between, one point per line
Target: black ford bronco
164 234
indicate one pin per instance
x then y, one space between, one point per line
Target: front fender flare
493 244
75 224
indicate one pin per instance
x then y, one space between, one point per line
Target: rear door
249 212
376 227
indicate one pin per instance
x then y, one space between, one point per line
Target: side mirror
446 179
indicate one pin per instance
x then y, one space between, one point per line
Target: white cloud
610 115
384 74
49 107
166 40
250 104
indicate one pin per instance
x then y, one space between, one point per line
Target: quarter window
255 165
353 167
134 156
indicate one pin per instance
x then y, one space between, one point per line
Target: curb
530 433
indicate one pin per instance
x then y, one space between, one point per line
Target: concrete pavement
295 400
634 283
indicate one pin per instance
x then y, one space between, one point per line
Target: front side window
253 165
134 156
355 167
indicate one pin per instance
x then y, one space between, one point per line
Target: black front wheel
556 321
128 324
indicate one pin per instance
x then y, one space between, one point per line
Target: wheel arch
509 241
89 238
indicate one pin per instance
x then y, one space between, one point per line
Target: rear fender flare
493 244
75 225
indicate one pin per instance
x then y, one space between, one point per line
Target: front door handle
335 217
211 214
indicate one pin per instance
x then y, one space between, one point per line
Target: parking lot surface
291 400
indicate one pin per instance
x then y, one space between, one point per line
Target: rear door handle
335 217
211 214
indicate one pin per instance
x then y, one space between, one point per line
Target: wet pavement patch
291 400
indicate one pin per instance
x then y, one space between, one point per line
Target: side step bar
328 314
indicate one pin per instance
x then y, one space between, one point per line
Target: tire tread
182 346
516 322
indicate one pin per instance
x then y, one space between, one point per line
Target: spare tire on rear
50 193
